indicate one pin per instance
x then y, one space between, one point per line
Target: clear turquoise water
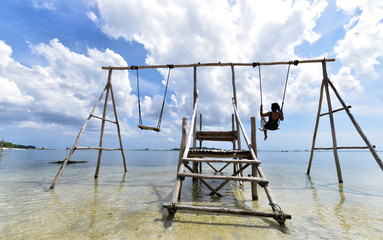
128 206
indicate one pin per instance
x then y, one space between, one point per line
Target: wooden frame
325 86
108 89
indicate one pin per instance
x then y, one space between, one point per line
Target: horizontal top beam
219 64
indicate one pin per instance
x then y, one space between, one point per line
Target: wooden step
231 178
221 160
219 153
229 136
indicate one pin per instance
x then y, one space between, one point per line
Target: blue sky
51 54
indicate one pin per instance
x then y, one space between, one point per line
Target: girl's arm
263 114
281 116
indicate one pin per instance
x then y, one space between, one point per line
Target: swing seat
148 128
264 129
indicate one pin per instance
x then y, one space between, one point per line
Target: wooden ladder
244 157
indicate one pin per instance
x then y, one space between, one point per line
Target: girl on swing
275 115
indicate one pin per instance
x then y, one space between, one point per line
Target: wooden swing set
237 157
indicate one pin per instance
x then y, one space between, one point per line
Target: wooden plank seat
229 136
219 153
142 127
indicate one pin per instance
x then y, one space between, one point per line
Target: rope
262 123
295 62
284 92
138 95
163 102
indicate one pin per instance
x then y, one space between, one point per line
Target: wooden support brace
111 121
204 182
337 110
234 174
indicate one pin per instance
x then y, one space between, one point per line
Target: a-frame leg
331 115
76 141
109 90
316 127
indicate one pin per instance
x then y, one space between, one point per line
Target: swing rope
284 91
262 122
140 125
163 102
138 96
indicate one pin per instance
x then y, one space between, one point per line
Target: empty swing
273 123
140 124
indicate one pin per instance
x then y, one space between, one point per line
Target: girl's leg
265 132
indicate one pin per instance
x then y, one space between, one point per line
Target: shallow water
128 206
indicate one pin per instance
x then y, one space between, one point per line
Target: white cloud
65 90
346 83
44 4
92 16
5 54
11 94
362 46
211 31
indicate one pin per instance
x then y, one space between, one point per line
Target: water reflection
338 211
338 208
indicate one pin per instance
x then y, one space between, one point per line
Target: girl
274 116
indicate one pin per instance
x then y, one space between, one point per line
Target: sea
128 205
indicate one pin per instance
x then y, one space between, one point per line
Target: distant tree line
11 145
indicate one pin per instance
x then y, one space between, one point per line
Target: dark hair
275 107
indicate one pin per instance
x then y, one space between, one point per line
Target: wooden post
235 165
356 125
118 126
254 191
200 143
237 125
316 126
334 142
103 124
180 167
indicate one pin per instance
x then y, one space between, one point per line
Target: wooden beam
229 211
337 110
97 148
111 121
219 64
237 172
333 134
316 126
230 178
330 148
222 160
103 124
254 190
204 182
358 128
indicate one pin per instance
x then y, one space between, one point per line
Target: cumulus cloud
346 82
361 48
211 31
65 90
11 94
